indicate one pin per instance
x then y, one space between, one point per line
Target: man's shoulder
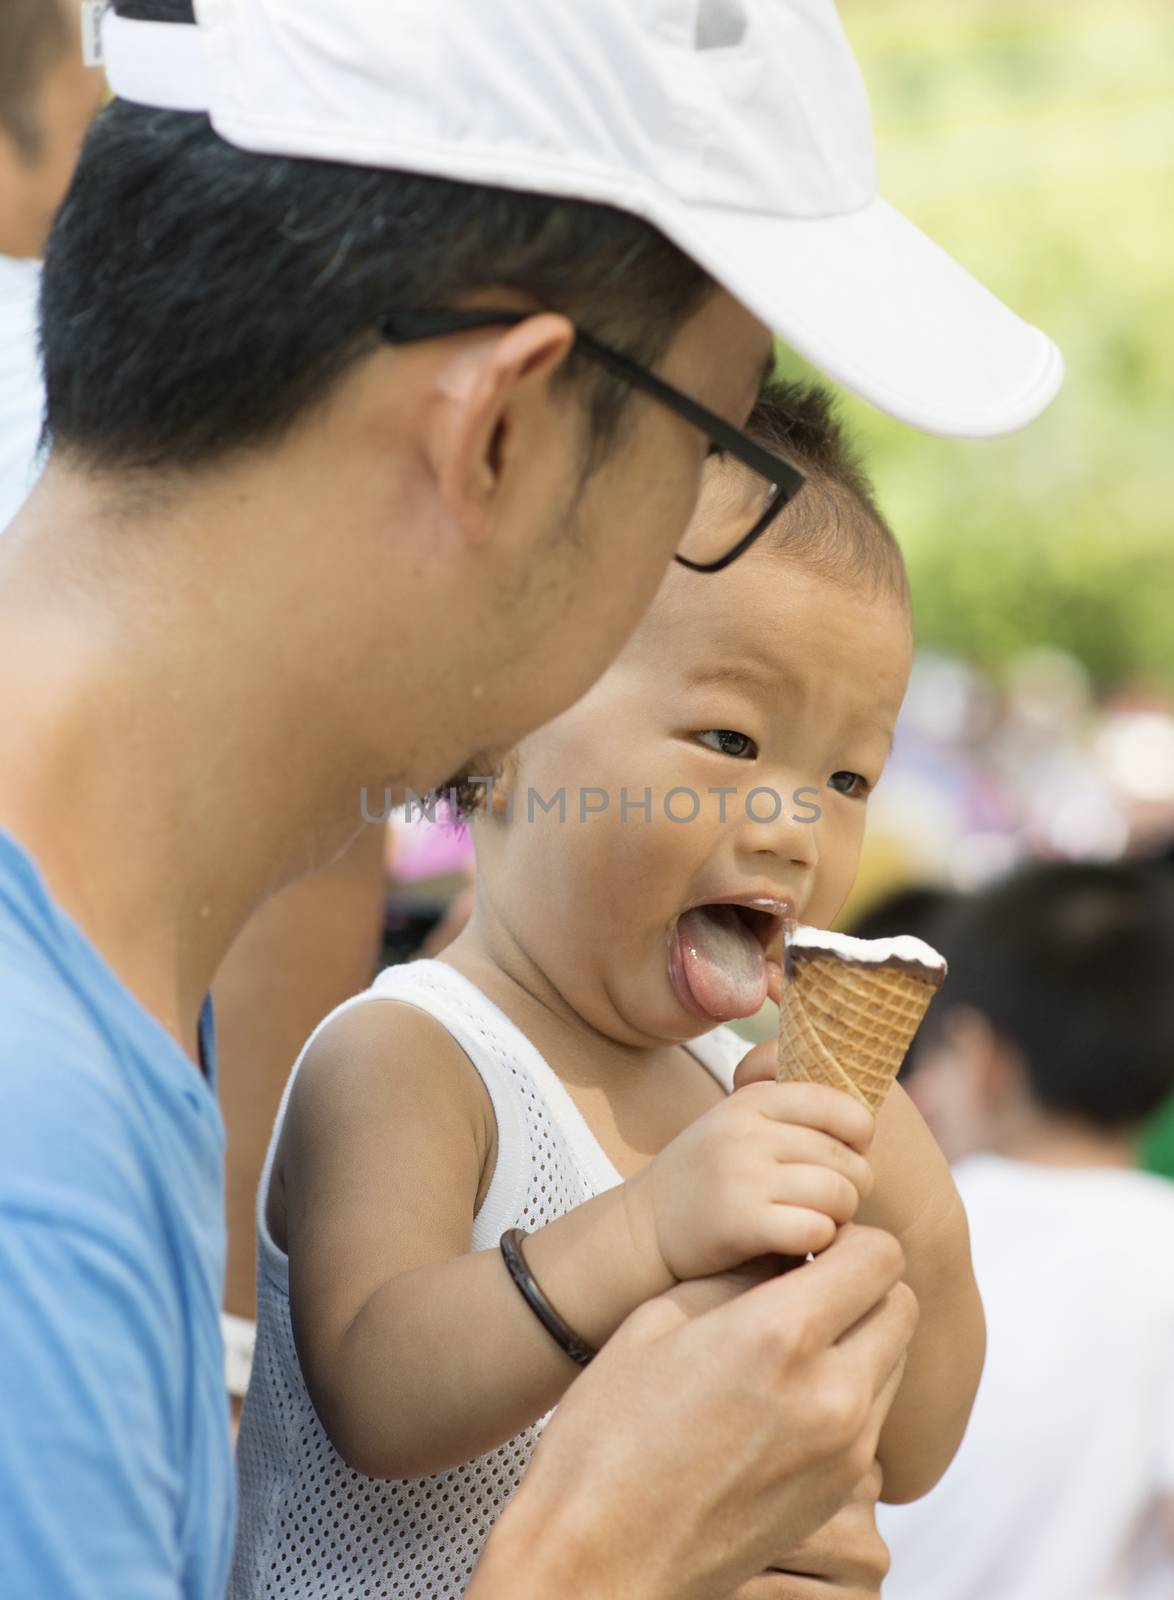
49 1031
106 1123
67 1025
70 1136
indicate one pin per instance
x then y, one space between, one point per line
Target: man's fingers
875 1351
847 1555
883 1403
820 1301
688 1301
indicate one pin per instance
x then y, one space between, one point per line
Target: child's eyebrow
736 672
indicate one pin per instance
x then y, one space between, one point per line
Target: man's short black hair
1073 964
34 35
198 299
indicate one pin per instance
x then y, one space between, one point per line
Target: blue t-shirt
115 1453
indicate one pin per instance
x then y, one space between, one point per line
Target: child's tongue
721 962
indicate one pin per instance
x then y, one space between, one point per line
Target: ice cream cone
850 1007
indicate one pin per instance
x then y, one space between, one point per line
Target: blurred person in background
1051 1042
47 98
915 908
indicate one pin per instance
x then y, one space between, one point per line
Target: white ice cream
874 952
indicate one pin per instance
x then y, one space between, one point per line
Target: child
1036 1067
562 1070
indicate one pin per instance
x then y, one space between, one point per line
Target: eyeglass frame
412 327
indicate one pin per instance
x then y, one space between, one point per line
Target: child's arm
914 1199
418 1354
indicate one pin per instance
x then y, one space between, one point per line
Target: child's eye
729 743
851 784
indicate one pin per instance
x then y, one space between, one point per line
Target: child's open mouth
717 956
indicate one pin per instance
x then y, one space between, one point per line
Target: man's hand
846 1559
710 1434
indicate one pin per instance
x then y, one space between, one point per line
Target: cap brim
874 303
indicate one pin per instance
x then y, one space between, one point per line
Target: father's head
251 313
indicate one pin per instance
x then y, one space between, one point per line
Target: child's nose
775 823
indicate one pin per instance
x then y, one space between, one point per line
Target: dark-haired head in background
1051 1040
47 98
912 909
1054 1034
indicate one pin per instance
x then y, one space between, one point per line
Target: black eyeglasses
770 482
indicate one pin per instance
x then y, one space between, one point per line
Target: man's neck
165 756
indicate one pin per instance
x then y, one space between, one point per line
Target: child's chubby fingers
811 1105
815 1188
759 1065
794 1231
788 1144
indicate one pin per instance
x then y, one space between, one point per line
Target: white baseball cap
739 128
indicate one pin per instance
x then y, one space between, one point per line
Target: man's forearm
713 1435
526 1559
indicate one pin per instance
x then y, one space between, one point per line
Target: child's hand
774 1170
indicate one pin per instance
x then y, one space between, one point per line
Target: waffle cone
849 1023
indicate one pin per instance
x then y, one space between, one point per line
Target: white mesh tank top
311 1528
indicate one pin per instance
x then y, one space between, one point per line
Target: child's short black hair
833 525
1073 964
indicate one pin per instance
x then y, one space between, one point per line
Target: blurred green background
1034 139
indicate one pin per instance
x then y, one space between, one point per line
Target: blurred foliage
1034 139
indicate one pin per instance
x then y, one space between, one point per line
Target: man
314 943
46 101
379 403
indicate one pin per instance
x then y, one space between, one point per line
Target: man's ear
479 394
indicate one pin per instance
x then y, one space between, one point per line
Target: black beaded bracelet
511 1249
